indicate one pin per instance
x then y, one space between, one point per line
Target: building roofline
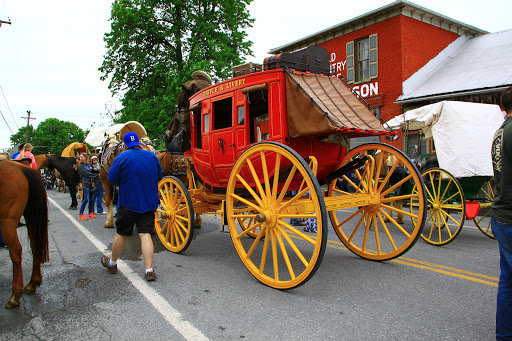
398 7
451 94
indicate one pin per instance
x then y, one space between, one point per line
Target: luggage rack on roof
313 59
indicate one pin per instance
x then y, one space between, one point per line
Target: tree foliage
155 45
52 135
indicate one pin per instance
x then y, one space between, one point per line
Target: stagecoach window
257 103
198 128
206 125
222 114
241 114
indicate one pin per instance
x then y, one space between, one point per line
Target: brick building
379 50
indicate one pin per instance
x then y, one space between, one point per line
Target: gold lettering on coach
228 85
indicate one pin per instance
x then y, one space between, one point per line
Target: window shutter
350 61
373 56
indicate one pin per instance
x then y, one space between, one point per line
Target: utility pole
28 123
5 22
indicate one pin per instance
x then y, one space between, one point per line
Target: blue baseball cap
131 139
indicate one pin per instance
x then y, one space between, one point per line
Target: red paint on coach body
217 151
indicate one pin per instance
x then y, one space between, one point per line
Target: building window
362 58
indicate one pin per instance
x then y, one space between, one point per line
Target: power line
9 107
6 122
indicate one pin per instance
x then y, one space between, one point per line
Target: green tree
52 135
155 45
19 137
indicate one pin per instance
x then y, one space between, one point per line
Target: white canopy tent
462 133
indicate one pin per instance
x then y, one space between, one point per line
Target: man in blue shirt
137 173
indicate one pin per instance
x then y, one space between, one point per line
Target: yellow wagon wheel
247 223
281 256
371 231
174 218
446 207
483 222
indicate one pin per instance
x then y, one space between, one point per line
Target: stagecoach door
223 149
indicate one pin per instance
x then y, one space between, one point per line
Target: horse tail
36 215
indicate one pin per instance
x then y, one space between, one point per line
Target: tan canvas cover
320 104
75 147
135 127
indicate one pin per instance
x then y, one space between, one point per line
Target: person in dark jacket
501 216
88 180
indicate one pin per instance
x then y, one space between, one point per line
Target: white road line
173 316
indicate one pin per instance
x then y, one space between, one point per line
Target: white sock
111 263
149 270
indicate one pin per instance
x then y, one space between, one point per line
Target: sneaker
105 261
91 215
150 276
101 213
72 207
82 217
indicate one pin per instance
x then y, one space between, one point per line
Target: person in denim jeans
88 179
501 216
99 186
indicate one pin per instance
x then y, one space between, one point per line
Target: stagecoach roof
462 133
319 105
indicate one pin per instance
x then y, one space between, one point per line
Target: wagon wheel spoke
294 246
441 214
383 224
256 180
250 190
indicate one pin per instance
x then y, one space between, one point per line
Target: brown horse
41 160
111 148
22 192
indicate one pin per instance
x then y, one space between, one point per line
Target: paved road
431 293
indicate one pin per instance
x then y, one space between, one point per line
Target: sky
50 54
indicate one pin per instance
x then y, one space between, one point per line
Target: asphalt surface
430 293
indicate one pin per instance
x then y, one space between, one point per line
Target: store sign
337 67
368 89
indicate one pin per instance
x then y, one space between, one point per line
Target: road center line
169 313
445 270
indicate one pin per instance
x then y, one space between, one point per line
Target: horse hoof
29 290
11 304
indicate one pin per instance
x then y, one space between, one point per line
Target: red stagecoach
270 145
